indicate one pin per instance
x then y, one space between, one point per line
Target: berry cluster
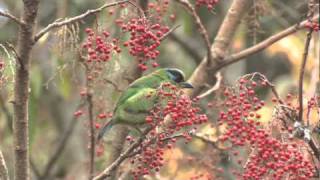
145 38
169 121
98 47
270 157
209 3
312 25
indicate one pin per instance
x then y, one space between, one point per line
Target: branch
91 126
115 85
315 149
301 74
163 37
89 100
304 60
236 57
71 20
214 88
205 74
202 30
3 168
126 154
11 17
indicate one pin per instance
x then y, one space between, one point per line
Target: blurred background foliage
57 79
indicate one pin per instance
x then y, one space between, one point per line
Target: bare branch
301 74
115 85
91 126
11 17
163 37
71 20
304 60
202 30
3 168
214 88
262 45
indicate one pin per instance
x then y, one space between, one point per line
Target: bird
139 98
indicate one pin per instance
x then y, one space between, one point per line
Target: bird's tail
105 129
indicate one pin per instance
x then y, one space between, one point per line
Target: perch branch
123 156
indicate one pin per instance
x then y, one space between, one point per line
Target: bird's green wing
135 108
152 80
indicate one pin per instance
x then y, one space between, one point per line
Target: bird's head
176 76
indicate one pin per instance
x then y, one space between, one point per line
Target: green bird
138 100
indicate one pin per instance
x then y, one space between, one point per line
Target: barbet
138 100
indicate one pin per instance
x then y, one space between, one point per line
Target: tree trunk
21 91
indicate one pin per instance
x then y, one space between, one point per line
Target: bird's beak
185 85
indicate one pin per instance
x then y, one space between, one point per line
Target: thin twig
3 168
301 74
304 60
163 37
236 57
92 131
12 17
89 100
115 85
214 88
202 30
71 20
61 146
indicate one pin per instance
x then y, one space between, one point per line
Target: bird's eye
178 78
176 75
